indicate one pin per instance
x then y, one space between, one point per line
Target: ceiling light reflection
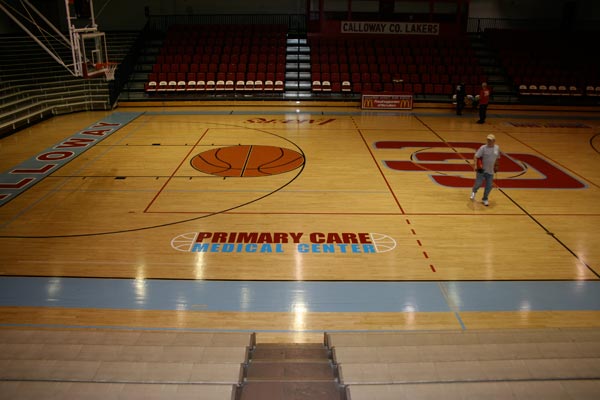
245 298
199 265
525 305
140 289
53 289
299 310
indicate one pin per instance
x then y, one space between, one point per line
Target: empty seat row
224 31
172 47
220 58
387 77
391 59
211 76
557 90
416 83
327 86
213 86
471 69
407 46
219 38
221 67
415 88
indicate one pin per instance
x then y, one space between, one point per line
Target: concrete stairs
503 90
297 70
290 372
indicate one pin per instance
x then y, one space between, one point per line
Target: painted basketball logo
444 164
247 161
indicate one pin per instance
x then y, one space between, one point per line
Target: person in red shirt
484 100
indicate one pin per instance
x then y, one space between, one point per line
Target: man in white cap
486 164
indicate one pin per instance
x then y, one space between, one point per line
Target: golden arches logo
368 102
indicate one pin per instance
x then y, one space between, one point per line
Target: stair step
291 75
290 371
298 85
297 66
298 49
296 41
295 95
297 76
290 352
292 391
295 59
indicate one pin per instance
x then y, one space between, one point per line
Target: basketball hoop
109 71
96 70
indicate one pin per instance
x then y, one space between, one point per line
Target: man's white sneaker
485 203
472 196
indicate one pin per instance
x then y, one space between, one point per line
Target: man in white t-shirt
486 164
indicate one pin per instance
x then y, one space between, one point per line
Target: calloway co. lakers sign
281 242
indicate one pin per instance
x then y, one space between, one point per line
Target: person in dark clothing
460 94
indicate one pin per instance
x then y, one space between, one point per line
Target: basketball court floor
293 220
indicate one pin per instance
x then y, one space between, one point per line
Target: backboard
93 56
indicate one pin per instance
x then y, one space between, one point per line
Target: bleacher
105 364
505 364
548 63
208 58
35 86
495 364
422 66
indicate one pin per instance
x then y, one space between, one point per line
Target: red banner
387 101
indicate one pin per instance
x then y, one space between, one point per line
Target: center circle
247 161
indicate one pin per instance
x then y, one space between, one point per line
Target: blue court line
289 296
524 295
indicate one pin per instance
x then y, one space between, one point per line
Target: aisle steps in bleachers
71 364
290 372
516 364
297 69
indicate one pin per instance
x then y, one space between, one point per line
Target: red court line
174 172
381 171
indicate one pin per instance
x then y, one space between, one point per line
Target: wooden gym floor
290 220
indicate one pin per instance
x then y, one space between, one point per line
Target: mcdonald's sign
388 101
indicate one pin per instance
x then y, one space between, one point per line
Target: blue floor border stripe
290 296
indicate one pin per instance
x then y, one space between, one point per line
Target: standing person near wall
484 100
486 165
461 94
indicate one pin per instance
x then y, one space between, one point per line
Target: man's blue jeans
489 181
